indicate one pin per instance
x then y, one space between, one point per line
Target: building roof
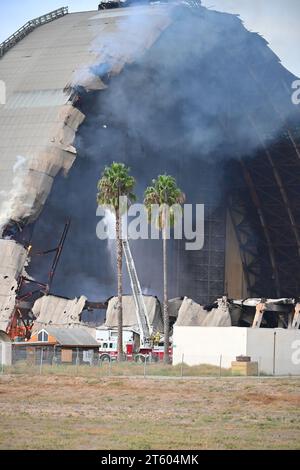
71 336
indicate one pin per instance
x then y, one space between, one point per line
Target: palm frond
115 182
163 191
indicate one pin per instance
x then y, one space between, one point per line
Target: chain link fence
53 360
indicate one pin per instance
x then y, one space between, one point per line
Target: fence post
109 367
258 368
220 371
41 362
77 360
1 358
181 368
274 354
145 362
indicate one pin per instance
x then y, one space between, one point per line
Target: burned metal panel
193 314
52 310
129 313
13 257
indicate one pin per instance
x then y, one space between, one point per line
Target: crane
141 310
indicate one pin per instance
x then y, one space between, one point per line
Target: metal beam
258 206
259 313
296 317
280 185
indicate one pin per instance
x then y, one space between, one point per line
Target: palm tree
114 183
164 193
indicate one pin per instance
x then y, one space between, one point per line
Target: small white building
5 349
276 350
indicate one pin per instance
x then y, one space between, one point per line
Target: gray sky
276 20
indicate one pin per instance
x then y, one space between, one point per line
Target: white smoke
8 198
133 33
109 220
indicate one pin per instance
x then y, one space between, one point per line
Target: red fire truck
132 351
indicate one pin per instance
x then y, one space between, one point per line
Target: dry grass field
63 412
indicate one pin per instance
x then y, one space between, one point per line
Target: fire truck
108 339
146 345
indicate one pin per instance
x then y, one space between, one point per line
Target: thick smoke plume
184 107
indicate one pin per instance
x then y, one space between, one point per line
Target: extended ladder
141 311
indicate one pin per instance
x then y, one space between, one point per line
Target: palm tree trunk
120 287
166 306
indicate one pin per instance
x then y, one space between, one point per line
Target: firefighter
156 339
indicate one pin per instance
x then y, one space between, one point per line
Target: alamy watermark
296 352
178 222
2 92
296 93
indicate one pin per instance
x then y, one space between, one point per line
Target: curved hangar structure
50 64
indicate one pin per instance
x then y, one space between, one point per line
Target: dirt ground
57 412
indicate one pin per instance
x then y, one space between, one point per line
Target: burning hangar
162 86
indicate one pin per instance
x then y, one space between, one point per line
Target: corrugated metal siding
36 72
37 99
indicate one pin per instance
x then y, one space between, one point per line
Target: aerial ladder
141 310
